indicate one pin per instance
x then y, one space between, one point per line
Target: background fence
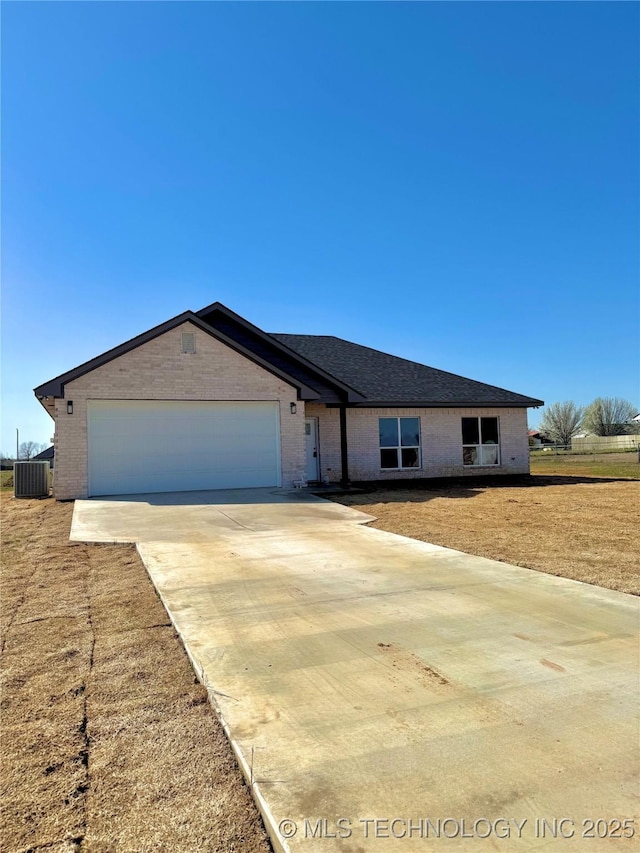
601 444
592 444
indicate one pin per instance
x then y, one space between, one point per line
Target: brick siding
441 442
159 370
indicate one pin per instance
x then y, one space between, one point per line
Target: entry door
312 471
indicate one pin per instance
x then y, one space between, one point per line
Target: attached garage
139 446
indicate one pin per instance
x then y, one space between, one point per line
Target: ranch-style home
209 401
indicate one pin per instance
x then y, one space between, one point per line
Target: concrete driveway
386 694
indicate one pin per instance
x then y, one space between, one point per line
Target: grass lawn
108 740
579 527
587 465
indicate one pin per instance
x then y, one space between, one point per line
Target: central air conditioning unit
31 479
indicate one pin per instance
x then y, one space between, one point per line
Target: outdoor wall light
69 407
293 408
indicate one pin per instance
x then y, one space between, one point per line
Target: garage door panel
153 446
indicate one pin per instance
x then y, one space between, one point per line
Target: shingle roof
384 378
321 367
44 455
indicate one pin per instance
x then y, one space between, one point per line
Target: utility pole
17 444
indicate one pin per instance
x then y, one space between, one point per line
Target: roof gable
55 387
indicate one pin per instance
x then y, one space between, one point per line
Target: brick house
207 400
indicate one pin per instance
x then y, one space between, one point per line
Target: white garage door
165 446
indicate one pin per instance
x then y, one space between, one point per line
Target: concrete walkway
387 694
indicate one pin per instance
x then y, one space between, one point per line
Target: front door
312 471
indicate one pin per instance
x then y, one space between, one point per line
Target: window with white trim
399 443
480 441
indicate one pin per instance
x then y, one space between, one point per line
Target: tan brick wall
441 436
158 370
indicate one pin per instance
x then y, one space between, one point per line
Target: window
480 441
399 442
188 342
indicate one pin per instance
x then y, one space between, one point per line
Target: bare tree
609 416
561 421
28 449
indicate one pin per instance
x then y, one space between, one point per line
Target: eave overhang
449 404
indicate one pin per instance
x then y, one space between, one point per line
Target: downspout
344 455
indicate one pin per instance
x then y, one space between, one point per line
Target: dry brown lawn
577 527
108 740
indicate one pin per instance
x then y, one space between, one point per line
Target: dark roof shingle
384 378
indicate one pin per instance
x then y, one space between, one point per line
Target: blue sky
455 183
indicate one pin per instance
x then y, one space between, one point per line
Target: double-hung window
480 441
399 443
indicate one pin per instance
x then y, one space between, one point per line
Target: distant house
46 456
537 438
630 427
